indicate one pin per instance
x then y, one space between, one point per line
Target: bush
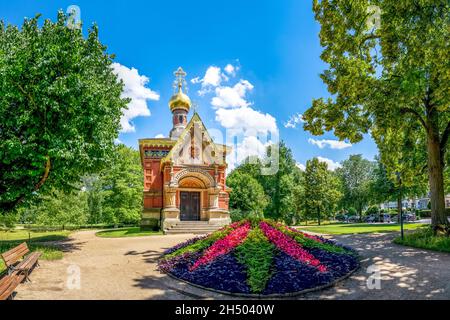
351 211
424 238
8 221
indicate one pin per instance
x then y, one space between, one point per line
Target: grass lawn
126 232
348 228
36 242
426 240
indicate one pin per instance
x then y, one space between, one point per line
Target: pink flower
290 246
223 246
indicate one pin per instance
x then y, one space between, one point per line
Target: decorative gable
195 146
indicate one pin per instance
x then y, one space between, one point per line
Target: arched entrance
190 195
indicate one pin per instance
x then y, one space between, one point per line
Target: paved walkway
125 268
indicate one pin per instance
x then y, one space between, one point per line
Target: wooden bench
8 284
19 261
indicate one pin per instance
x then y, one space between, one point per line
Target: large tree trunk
318 216
435 173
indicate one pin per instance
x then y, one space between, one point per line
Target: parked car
353 219
409 217
372 218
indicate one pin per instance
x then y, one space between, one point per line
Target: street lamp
400 203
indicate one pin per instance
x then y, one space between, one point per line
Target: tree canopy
111 196
391 78
356 174
60 105
321 190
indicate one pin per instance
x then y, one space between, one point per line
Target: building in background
185 174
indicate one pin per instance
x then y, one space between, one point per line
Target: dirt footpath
125 268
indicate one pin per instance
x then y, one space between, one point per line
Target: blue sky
273 47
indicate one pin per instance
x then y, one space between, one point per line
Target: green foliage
247 194
356 174
113 196
280 195
321 190
60 105
372 210
122 187
425 239
278 187
391 80
58 208
256 253
352 212
8 221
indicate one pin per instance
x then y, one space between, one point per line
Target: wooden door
189 206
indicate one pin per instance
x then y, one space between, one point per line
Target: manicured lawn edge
117 233
356 229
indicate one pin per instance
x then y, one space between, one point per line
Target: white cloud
301 166
134 88
246 119
294 120
213 78
249 128
232 96
332 144
331 164
230 69
159 136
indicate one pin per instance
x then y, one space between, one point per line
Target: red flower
290 246
223 246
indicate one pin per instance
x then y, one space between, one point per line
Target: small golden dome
180 101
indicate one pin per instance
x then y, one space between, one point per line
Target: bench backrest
15 254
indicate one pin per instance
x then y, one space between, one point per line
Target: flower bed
259 257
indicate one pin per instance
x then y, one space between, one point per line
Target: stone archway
200 174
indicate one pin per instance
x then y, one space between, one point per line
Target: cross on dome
180 75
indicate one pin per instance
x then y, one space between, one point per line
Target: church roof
218 148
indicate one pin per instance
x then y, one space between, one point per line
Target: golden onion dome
180 101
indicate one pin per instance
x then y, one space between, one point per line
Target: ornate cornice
157 142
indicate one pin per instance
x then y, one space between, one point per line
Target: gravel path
125 268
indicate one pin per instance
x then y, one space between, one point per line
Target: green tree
278 187
317 199
60 105
122 187
59 208
356 174
93 186
390 77
247 194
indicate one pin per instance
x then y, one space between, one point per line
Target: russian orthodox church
184 174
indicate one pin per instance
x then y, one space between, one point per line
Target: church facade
184 174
